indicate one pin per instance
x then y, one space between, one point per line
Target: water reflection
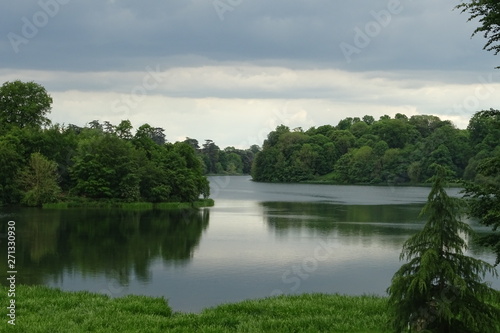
343 220
385 225
114 243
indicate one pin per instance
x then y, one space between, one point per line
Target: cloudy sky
232 70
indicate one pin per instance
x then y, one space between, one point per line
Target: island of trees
389 150
43 163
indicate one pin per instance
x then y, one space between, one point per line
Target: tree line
44 163
47 165
385 151
230 160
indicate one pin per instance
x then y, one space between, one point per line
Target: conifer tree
441 289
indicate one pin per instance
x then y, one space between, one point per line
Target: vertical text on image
11 272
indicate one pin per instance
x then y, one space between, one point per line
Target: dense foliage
23 104
229 160
387 151
440 289
97 162
487 12
483 195
43 163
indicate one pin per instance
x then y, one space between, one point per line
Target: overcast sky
232 70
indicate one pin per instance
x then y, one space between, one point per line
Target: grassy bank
41 310
82 203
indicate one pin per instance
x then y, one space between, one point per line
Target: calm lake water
258 240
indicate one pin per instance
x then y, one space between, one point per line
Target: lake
258 240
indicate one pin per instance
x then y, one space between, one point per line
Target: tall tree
484 201
440 289
484 193
12 162
124 130
488 13
211 154
24 104
105 166
39 180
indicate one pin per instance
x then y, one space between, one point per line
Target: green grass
182 205
83 203
41 309
137 205
56 205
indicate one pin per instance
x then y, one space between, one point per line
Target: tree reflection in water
110 242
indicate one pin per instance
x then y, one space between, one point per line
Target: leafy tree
483 192
304 162
326 159
440 288
441 155
156 134
109 128
484 200
12 162
273 136
254 149
488 13
343 140
193 167
211 155
380 148
234 163
395 166
401 116
291 143
342 167
247 156
396 132
426 124
345 124
368 119
193 143
24 104
484 130
106 166
124 130
415 172
95 125
39 181
362 165
264 168
359 128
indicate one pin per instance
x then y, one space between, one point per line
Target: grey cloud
128 35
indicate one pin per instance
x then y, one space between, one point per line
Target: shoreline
202 203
